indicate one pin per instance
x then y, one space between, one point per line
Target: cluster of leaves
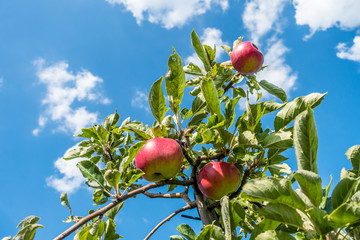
265 204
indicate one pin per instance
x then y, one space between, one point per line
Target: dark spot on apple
254 46
157 174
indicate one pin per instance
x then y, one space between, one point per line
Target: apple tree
248 190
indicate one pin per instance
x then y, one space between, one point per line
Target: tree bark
207 216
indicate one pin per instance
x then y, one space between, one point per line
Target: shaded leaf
186 231
28 221
157 100
273 190
281 140
289 112
345 214
306 141
225 214
274 90
209 91
200 51
282 213
353 154
111 121
175 82
90 171
342 191
310 184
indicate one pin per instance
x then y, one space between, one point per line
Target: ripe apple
246 58
217 179
159 159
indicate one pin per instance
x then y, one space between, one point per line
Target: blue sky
65 65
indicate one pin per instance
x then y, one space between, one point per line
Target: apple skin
159 159
217 179
246 58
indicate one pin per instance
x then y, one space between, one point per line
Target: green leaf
343 191
211 232
64 200
273 190
210 94
110 230
274 235
77 152
194 69
98 196
28 232
325 191
197 118
271 106
274 90
197 105
176 237
247 138
112 176
263 226
133 175
186 231
278 169
306 141
175 82
237 213
295 107
353 154
279 140
90 171
200 51
282 213
111 121
230 111
225 215
227 49
113 211
133 151
28 221
210 53
89 133
135 127
254 112
157 100
310 184
345 214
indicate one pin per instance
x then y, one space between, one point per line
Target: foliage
265 206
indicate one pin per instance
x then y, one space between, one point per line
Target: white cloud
210 37
72 178
278 72
350 53
260 16
140 100
168 13
63 90
324 14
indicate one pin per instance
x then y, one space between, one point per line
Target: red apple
246 58
159 159
217 179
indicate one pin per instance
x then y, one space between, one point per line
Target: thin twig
187 207
103 210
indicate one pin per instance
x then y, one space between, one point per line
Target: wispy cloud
70 179
64 90
1 81
210 37
140 100
278 72
261 16
168 13
350 53
320 15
